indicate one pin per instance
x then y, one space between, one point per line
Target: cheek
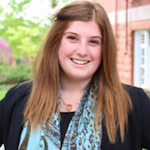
63 53
97 55
65 48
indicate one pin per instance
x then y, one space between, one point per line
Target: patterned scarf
80 134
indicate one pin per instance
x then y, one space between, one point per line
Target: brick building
130 21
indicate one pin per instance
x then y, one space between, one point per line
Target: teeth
80 61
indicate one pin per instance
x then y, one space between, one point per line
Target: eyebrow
78 35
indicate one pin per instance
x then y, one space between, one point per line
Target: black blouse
65 120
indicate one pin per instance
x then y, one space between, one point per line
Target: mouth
80 62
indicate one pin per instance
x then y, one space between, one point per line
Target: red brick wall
125 62
131 3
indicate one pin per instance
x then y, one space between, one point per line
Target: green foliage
24 36
22 41
18 74
54 3
4 88
2 94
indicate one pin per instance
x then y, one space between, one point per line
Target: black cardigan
136 138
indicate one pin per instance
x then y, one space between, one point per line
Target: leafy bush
18 74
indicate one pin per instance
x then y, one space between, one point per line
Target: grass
2 94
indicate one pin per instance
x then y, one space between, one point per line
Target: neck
72 92
69 85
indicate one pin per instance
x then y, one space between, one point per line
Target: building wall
138 19
125 62
109 5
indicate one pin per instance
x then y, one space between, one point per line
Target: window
141 73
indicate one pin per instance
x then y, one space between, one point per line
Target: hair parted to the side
113 100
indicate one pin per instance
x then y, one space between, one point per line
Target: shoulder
141 103
136 93
11 111
21 88
18 92
140 100
139 118
132 89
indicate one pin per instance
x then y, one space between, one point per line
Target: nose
82 49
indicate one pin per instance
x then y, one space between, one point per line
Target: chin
81 77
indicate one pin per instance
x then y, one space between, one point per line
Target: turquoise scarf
80 134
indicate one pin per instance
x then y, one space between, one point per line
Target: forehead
84 27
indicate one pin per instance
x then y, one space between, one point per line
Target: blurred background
23 26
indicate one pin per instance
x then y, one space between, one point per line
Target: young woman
76 100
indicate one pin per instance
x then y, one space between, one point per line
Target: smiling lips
80 62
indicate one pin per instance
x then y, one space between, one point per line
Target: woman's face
80 50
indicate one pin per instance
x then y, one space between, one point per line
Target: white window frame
141 43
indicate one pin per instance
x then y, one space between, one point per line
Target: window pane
143 61
143 52
142 72
142 81
143 38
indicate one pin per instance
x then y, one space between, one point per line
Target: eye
94 42
72 38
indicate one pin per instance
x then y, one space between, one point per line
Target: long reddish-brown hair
113 100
